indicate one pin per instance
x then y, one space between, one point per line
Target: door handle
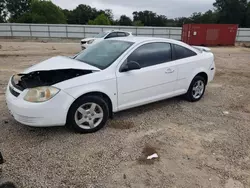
168 71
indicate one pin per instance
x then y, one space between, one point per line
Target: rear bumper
45 114
211 72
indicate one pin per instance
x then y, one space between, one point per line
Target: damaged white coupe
110 76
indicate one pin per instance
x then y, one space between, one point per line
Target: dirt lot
204 144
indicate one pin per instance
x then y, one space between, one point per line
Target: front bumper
50 113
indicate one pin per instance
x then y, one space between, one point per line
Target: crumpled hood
60 63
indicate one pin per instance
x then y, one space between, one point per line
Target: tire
7 185
190 95
88 114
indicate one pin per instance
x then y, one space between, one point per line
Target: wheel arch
99 94
201 74
204 75
198 72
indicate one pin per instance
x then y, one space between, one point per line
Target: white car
103 35
113 75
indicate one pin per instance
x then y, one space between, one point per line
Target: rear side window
127 34
180 52
151 54
121 34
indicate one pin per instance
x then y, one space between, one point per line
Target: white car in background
103 35
111 76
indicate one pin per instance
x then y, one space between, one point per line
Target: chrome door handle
168 71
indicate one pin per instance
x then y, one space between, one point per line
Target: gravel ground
204 144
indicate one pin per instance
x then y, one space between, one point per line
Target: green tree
81 14
209 17
179 22
196 17
3 12
247 16
43 12
124 20
231 11
16 8
115 22
137 23
149 18
67 13
146 17
109 14
170 23
102 19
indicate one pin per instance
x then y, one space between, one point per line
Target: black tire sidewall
189 94
82 100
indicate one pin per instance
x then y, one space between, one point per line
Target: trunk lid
202 48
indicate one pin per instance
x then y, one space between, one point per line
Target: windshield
101 35
104 53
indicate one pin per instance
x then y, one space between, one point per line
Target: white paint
154 156
125 89
96 40
60 62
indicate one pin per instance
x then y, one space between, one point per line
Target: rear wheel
88 114
7 185
196 89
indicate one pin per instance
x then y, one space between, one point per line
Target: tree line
44 11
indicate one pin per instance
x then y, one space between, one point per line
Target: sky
170 8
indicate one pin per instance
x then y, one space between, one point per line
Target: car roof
137 39
110 31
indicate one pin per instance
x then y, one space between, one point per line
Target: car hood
60 63
87 39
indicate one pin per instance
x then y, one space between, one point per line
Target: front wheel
196 89
88 114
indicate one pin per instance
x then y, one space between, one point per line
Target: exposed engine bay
46 78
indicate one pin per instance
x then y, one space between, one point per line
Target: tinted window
151 54
101 35
120 34
112 35
127 34
182 52
104 53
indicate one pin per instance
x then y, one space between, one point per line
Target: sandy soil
199 145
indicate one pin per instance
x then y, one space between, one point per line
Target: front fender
107 87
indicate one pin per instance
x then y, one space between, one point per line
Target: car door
154 81
186 62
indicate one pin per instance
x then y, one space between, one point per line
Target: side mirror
131 65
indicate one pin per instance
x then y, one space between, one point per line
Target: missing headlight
45 78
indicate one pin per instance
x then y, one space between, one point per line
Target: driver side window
151 54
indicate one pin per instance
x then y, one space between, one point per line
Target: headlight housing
90 41
41 94
16 78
